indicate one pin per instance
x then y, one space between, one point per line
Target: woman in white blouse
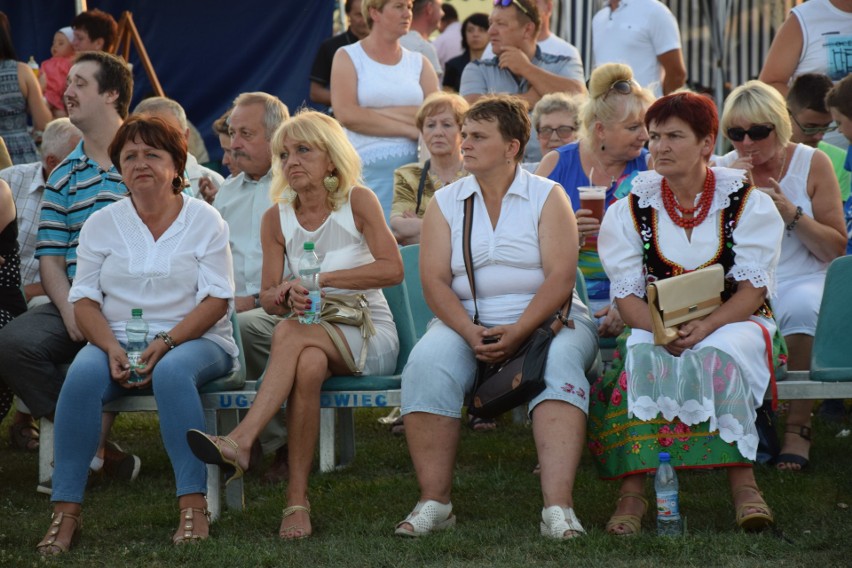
377 87
694 398
166 253
524 249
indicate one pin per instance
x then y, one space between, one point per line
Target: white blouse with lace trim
756 248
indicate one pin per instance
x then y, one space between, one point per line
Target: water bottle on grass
669 522
137 340
309 271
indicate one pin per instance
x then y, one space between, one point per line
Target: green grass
496 499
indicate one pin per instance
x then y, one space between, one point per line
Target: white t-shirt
121 267
636 33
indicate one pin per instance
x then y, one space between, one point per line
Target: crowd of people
474 145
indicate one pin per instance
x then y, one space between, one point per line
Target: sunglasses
756 132
505 3
621 87
545 132
812 130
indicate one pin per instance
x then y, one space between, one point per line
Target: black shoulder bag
515 381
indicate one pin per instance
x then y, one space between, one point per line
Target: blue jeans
88 386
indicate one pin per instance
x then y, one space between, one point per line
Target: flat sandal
292 509
187 526
49 546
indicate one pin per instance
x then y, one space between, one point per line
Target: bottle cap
309 245
664 457
136 312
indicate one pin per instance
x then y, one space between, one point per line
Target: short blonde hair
440 101
609 108
758 103
557 102
324 133
365 9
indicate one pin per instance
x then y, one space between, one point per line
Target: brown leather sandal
633 523
187 519
759 519
49 546
788 459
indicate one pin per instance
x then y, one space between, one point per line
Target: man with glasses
519 67
811 121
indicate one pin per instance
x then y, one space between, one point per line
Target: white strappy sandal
427 517
556 521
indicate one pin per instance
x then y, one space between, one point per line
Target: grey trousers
256 328
34 347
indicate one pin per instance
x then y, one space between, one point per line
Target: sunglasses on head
621 87
812 130
506 3
756 132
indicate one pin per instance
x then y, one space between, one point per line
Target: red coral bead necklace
699 213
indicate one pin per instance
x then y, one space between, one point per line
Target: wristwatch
256 300
167 339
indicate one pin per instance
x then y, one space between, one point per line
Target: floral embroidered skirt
623 444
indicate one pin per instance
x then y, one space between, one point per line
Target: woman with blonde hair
378 85
611 149
318 199
801 182
439 121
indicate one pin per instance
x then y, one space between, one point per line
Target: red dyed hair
698 111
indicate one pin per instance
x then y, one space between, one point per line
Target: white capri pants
442 367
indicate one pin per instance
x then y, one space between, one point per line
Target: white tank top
826 39
796 259
381 85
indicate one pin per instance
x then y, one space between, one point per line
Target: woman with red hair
694 398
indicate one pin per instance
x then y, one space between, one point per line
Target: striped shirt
77 188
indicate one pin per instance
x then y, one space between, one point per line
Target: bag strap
343 349
420 186
466 252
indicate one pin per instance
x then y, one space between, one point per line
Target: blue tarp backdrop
205 52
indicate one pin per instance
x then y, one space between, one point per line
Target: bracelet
792 224
167 339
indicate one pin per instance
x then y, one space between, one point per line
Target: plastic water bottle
137 340
309 271
669 522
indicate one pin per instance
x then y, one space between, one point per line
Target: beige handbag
683 298
348 309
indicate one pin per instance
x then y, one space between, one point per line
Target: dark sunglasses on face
506 3
546 132
756 132
812 130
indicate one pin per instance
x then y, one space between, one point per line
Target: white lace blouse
757 236
120 266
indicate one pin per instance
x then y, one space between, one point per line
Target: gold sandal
187 519
49 546
631 522
755 521
290 511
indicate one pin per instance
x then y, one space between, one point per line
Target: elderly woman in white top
801 182
166 253
378 85
524 249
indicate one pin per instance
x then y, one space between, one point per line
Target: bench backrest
831 358
419 308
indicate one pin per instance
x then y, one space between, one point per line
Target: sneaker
118 464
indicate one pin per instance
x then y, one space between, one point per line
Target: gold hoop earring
331 182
